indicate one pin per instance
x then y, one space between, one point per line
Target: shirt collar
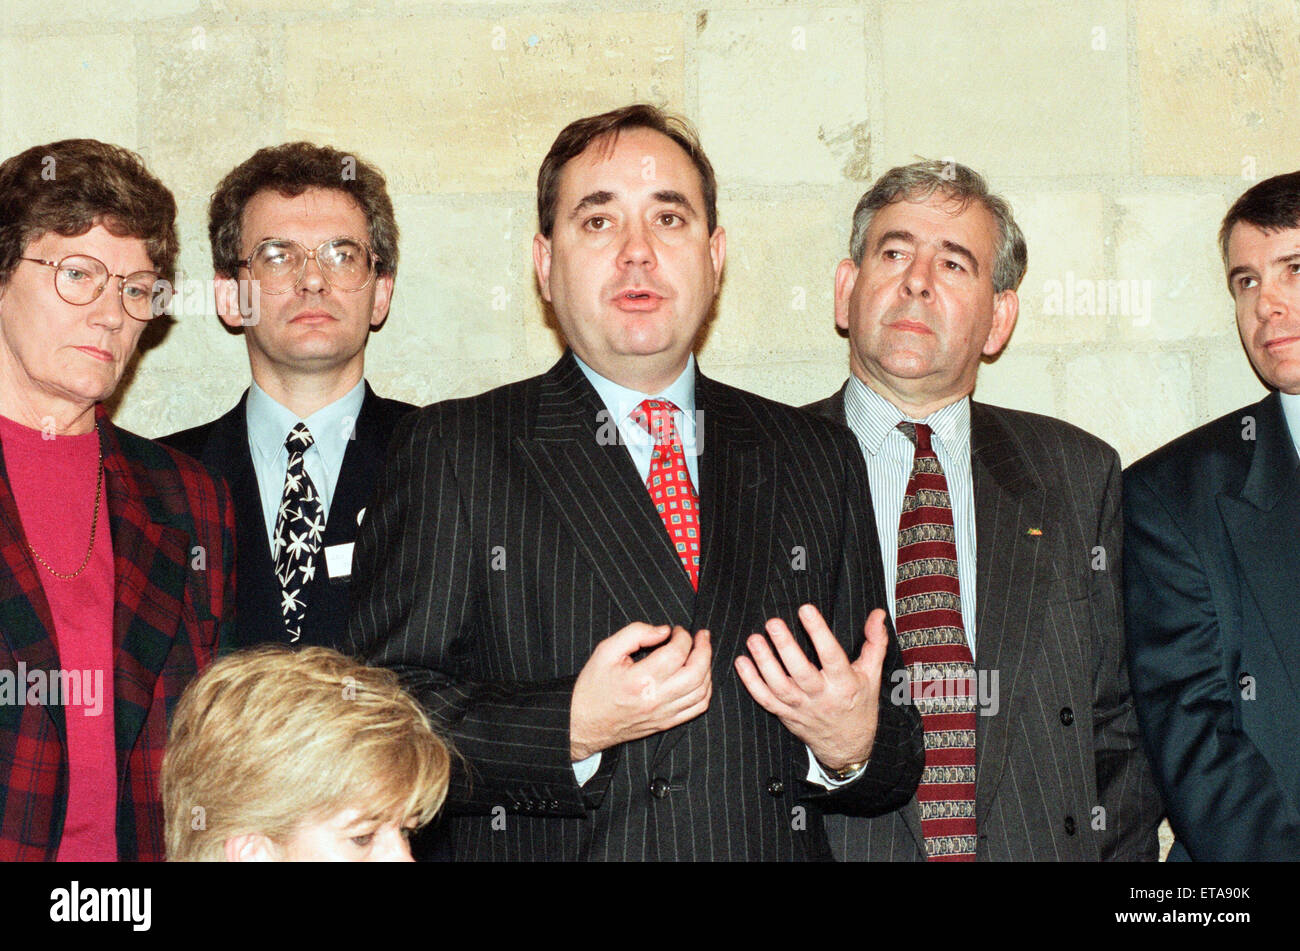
1291 412
621 401
873 418
269 422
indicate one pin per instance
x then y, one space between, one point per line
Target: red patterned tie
669 483
927 617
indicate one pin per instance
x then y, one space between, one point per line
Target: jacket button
659 787
1069 825
775 787
1067 716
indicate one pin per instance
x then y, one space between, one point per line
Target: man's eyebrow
952 247
596 199
1288 258
670 197
895 235
592 200
964 252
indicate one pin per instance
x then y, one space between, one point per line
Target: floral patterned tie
299 531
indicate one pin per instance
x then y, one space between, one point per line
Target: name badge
338 560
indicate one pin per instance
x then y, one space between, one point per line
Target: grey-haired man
1000 534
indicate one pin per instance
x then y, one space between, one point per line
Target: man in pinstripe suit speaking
537 558
1000 534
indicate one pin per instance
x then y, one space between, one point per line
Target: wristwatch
843 775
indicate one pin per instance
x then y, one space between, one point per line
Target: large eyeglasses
80 279
278 264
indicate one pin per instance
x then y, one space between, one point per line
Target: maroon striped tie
927 616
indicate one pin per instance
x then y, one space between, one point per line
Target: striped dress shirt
888 453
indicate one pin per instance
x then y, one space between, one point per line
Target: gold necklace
94 524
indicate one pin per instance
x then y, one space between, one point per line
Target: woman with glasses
116 554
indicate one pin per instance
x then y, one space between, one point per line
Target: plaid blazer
173 553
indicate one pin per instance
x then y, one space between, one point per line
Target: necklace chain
94 525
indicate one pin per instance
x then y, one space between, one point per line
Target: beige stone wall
1120 130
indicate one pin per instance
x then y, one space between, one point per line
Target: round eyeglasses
278 264
79 279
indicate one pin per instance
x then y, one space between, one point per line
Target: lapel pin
1034 531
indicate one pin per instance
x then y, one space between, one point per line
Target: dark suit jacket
222 445
1060 773
1212 564
173 557
509 539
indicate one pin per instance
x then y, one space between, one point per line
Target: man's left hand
833 710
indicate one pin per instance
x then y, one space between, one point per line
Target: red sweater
53 482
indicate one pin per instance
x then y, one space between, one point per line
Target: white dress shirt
1291 411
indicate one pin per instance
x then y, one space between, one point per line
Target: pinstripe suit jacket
508 538
1060 770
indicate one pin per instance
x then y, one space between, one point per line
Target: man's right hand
616 699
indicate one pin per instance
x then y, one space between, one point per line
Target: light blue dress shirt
269 425
620 402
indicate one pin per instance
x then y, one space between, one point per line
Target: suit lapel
227 451
736 512
1006 493
150 560
833 408
362 460
26 624
593 488
258 596
737 509
1262 525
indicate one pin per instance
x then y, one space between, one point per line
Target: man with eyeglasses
304 246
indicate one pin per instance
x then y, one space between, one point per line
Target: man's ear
846 278
225 290
1006 308
542 264
383 299
251 847
718 252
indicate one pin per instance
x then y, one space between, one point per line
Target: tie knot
656 418
299 439
917 433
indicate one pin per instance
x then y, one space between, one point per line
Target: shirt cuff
584 769
816 774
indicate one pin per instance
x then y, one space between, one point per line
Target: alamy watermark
1098 298
53 688
946 694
